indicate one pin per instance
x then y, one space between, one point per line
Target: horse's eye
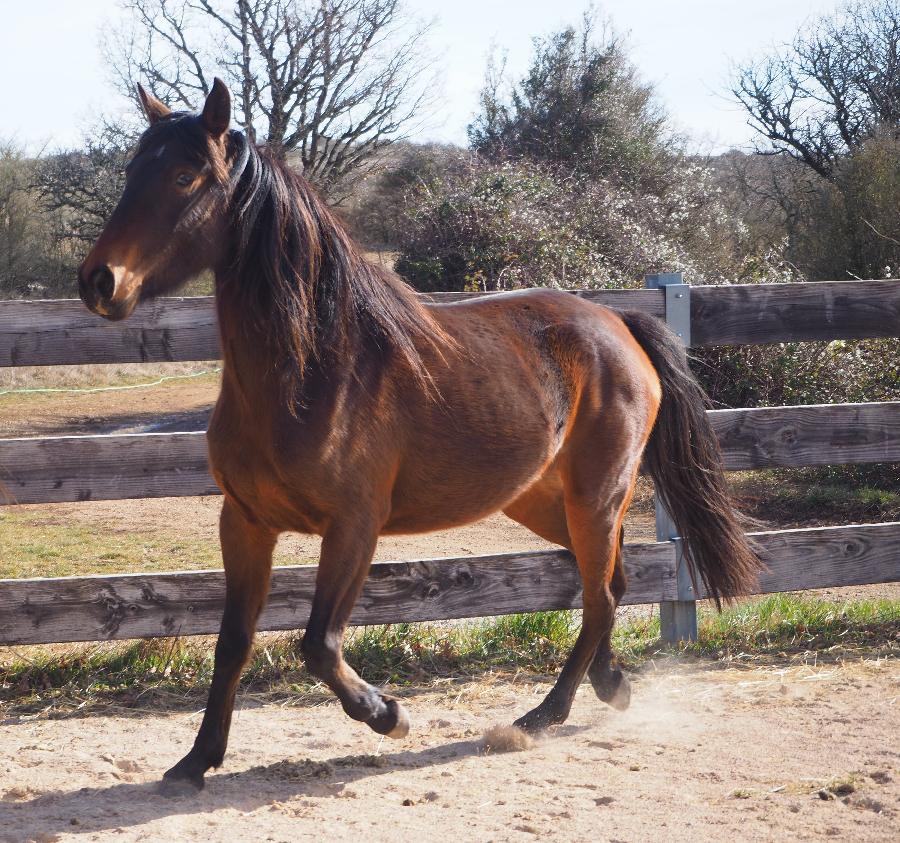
184 179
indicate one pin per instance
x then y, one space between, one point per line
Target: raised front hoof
392 722
541 718
184 779
613 688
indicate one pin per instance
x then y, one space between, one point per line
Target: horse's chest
252 470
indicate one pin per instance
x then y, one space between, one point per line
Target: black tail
685 462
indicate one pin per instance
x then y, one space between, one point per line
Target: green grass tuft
790 621
175 673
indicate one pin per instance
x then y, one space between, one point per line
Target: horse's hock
78 468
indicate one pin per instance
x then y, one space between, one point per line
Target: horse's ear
217 109
153 108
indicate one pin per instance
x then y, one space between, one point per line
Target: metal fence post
677 618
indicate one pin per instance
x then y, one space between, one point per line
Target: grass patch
790 622
49 545
175 673
44 547
15 383
822 495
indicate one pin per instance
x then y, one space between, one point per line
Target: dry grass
175 673
14 382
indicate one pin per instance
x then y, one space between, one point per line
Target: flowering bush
502 225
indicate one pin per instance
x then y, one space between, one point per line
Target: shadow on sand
98 809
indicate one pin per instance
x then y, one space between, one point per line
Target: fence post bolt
677 618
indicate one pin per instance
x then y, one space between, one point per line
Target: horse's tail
685 462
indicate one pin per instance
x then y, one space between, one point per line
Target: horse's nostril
104 282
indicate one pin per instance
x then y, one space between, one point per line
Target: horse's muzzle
97 288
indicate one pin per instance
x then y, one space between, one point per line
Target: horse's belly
439 494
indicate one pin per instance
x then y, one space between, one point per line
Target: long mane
300 278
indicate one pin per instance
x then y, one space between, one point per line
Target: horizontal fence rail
147 465
753 314
63 332
95 608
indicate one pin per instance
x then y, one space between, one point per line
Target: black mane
299 276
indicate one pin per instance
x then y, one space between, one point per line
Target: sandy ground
705 753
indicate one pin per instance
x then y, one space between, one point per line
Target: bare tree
80 187
834 87
329 82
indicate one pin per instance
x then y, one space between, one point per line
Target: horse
350 408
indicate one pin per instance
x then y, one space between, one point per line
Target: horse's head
168 225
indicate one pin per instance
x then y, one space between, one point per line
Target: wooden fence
80 468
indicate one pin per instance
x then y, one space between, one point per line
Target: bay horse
351 409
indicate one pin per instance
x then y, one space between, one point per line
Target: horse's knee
233 646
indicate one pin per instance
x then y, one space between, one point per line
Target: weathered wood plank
648 301
148 465
43 333
152 605
81 468
825 557
750 314
64 331
822 434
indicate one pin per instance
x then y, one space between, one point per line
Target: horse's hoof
393 722
184 779
538 720
174 786
613 688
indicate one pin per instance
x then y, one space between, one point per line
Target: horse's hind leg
247 554
542 510
594 536
609 682
346 556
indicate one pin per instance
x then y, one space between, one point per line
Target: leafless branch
325 82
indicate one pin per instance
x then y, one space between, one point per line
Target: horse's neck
253 371
249 370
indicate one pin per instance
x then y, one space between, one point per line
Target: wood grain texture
81 468
823 434
149 465
748 314
43 333
152 605
65 332
824 557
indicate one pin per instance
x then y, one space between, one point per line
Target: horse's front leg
347 550
247 553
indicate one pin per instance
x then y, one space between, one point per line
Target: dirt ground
705 752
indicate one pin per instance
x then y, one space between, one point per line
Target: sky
54 81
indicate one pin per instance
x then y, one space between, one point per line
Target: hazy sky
52 79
